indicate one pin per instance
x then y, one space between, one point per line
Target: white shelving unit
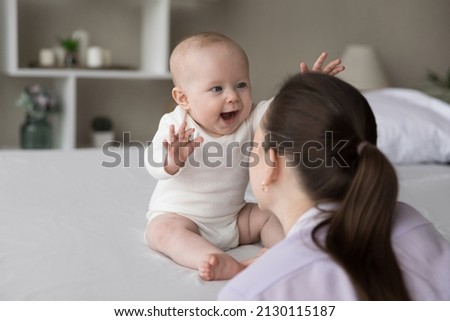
153 47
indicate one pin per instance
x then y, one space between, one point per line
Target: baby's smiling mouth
228 116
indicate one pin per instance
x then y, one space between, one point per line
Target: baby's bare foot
219 266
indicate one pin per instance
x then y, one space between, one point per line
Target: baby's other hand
332 69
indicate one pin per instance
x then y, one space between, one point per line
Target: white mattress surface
71 229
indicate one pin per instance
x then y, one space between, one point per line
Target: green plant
70 44
101 124
439 81
437 86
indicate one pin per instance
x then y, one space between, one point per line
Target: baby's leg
179 238
258 225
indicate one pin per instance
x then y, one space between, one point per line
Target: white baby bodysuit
210 188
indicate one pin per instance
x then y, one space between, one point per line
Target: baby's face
217 86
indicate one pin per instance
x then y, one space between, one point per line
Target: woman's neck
291 208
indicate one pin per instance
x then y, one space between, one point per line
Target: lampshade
363 70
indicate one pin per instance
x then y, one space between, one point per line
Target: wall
411 36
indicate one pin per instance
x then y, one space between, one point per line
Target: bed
72 229
72 224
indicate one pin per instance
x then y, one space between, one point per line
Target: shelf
145 36
86 73
136 32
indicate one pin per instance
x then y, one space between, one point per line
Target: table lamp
363 69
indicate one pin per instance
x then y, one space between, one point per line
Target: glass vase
36 133
71 60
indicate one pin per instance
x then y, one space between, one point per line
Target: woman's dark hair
326 120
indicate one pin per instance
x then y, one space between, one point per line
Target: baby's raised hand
333 68
179 147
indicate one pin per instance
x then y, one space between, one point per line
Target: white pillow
412 126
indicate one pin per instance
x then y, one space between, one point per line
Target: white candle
46 58
59 54
94 57
83 44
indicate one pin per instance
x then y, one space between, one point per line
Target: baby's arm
333 68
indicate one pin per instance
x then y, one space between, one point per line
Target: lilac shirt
296 269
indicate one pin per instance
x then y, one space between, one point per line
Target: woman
335 193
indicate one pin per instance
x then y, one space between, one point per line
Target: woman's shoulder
282 272
423 254
407 219
413 233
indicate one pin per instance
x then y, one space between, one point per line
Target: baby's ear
180 97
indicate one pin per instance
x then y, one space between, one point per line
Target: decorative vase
71 59
36 133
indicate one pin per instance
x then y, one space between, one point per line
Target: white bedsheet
71 229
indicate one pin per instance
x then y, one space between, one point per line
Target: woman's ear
180 97
273 167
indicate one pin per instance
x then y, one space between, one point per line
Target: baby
199 156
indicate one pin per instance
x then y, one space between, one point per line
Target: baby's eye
242 85
216 88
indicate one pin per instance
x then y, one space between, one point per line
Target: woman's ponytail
359 231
